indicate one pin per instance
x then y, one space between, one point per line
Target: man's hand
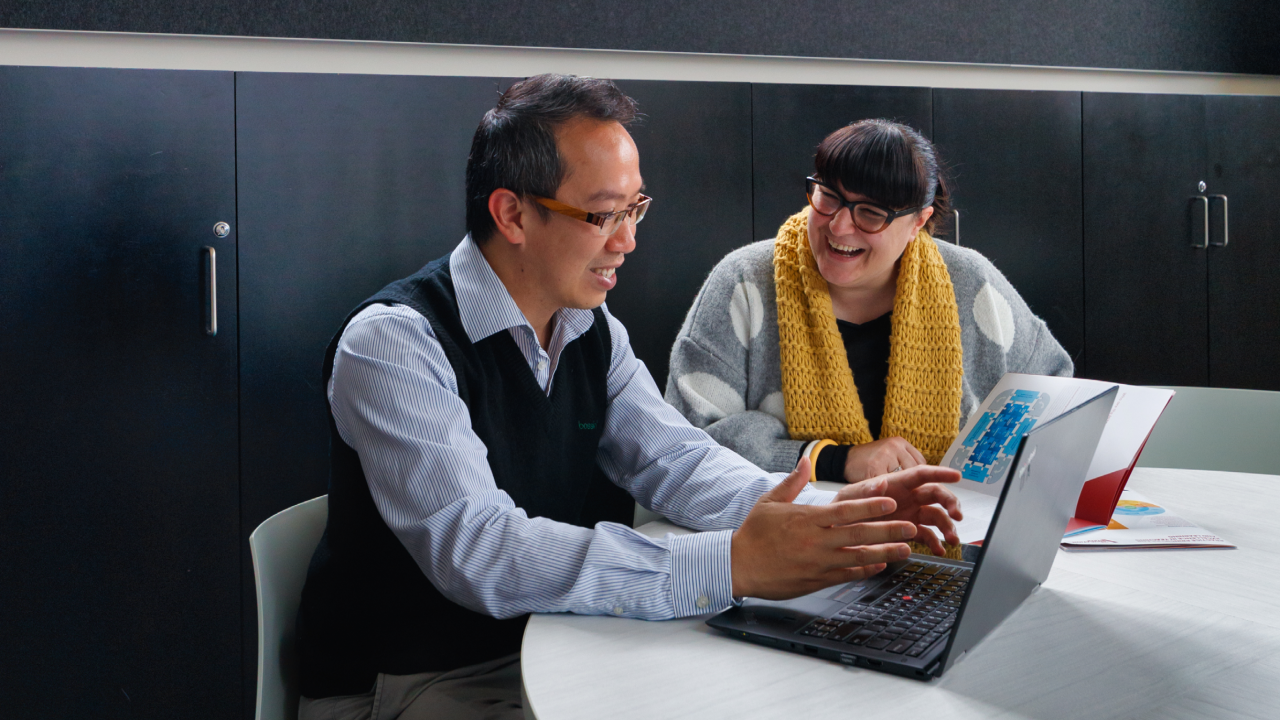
877 458
784 550
919 498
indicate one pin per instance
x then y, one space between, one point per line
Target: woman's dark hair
890 163
515 145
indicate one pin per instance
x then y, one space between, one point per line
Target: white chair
282 547
643 516
1217 429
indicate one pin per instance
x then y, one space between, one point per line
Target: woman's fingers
915 455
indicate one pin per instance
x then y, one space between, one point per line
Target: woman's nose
842 222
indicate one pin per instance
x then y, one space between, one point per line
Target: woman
854 337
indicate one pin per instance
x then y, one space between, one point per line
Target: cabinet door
1014 162
1145 285
790 120
695 155
119 586
346 183
1244 296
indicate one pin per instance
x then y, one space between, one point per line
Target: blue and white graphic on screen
987 451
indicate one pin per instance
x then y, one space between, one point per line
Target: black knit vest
367 607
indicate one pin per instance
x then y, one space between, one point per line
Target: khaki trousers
488 691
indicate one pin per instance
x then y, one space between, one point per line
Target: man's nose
623 239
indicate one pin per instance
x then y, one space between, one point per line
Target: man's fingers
848 512
864 555
912 478
869 533
934 494
937 517
927 536
864 489
787 490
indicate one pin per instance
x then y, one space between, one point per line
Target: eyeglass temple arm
570 210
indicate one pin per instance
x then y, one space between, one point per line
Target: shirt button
703 602
617 609
542 365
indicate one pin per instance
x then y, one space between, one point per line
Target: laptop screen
1018 552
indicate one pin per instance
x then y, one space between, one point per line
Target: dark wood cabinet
691 141
346 183
1014 162
788 122
119 485
1244 295
138 451
1146 320
1174 297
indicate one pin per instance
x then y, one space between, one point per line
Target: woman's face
851 259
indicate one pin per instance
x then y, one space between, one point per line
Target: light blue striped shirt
395 400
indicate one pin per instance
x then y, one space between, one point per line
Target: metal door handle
1224 220
957 212
1205 201
211 310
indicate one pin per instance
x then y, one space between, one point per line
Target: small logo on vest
586 426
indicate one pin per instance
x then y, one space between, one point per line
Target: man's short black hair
515 145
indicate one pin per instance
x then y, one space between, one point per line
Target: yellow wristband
813 457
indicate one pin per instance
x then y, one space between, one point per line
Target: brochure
985 446
1140 523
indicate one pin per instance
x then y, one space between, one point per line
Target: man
491 427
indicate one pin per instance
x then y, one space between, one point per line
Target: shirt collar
484 305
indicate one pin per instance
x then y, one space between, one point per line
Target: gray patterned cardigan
725 373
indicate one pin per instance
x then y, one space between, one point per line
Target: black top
367 607
867 346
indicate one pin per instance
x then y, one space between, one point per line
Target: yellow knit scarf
923 388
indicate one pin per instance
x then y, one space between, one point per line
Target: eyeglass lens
868 218
634 215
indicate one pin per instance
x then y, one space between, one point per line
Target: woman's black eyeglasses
869 217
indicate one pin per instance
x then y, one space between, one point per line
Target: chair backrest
282 547
642 516
1217 429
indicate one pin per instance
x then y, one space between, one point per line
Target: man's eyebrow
609 195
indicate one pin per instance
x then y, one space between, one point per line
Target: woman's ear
921 218
508 214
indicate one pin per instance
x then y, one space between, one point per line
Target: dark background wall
1228 36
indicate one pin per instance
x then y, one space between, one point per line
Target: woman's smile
848 251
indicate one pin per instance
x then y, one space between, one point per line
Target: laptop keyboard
919 607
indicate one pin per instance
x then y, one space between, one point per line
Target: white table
1124 634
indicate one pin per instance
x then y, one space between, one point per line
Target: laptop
921 615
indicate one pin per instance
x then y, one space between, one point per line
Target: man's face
574 264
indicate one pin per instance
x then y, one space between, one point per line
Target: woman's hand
880 457
919 499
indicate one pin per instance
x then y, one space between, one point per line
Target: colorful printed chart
987 451
1137 508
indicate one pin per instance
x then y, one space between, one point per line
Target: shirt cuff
701 574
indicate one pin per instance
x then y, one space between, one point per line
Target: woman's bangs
874 161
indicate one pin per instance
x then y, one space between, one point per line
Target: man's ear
509 215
